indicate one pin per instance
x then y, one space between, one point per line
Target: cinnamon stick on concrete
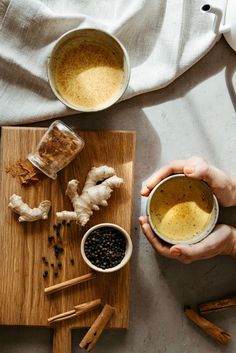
217 305
211 329
90 339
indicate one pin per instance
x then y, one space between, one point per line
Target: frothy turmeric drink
88 74
181 208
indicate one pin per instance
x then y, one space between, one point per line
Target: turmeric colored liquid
181 208
88 74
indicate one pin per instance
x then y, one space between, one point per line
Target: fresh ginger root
26 213
92 195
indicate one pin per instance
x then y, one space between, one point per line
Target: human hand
222 241
223 186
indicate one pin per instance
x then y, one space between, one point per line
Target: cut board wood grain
23 245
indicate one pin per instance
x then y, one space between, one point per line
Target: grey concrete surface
195 115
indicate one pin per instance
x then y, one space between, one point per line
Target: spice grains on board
88 74
26 172
105 247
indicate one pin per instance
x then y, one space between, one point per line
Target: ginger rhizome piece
92 195
28 214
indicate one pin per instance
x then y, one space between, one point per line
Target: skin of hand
222 241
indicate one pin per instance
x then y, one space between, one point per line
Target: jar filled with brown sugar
57 148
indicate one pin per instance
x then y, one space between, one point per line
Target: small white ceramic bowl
196 238
128 251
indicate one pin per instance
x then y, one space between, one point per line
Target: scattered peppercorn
57 227
43 258
105 247
45 274
50 238
55 273
59 264
52 265
58 250
72 261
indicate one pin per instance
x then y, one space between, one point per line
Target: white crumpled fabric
163 39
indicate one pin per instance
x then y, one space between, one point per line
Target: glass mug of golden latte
88 69
182 210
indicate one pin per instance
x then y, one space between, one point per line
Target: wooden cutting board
22 299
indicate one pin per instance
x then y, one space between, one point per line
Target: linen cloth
163 39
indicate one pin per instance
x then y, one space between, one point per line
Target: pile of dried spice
26 172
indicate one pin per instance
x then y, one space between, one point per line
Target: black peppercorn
58 250
45 274
105 247
50 238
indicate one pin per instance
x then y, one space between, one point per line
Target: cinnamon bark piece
77 311
90 339
71 282
217 305
211 329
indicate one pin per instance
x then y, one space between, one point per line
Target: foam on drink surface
88 74
181 208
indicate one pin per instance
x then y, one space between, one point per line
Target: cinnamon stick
85 307
217 305
62 316
71 282
90 339
211 329
77 311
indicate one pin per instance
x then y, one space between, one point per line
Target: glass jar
57 148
